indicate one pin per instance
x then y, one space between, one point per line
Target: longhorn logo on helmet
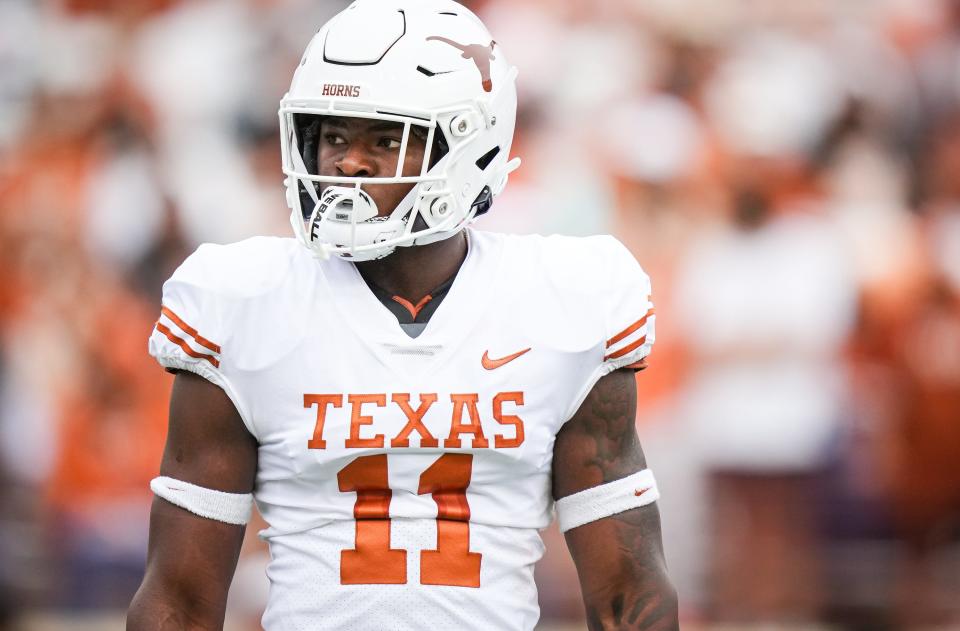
480 55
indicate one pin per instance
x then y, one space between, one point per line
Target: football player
407 400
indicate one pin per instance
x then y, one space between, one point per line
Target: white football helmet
428 65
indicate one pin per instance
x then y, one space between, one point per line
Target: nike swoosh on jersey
492 364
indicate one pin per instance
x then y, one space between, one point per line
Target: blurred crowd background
787 172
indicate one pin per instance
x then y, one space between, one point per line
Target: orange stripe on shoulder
627 349
189 330
630 329
186 347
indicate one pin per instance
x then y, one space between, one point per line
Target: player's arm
191 559
619 558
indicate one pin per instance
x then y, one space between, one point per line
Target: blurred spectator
910 360
908 366
766 303
112 425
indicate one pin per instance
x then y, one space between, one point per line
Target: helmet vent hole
487 158
432 73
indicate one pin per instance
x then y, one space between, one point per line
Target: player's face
362 147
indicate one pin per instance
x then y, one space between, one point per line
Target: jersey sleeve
191 331
627 311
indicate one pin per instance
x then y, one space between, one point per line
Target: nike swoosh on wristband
640 492
492 364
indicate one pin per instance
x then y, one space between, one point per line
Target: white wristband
232 508
607 499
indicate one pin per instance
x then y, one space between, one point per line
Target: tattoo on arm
620 558
611 425
645 600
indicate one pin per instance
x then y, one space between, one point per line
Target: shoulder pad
243 269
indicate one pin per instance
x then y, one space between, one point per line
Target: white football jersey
404 480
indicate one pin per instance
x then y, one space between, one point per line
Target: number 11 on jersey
373 561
